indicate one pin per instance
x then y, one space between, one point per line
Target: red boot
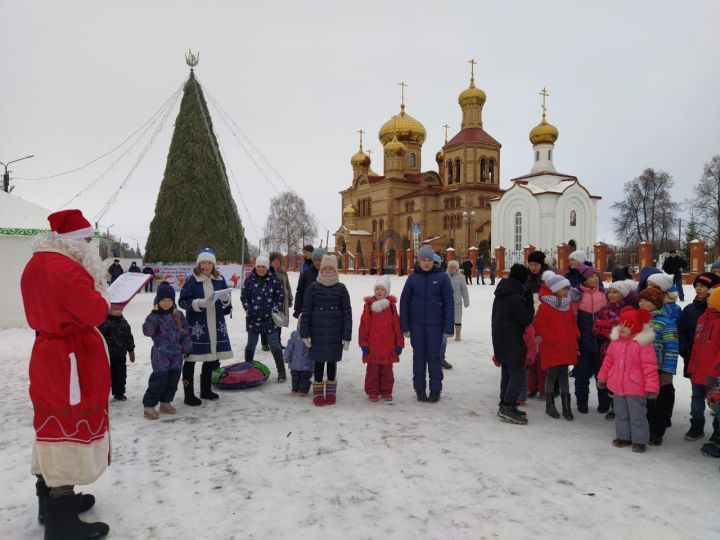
319 393
330 392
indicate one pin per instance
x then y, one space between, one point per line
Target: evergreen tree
194 208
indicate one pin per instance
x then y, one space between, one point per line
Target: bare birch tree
288 224
706 203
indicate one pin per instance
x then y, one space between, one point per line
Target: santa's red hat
70 224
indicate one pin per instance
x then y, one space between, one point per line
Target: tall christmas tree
194 208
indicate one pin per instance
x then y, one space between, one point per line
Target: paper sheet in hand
222 294
122 290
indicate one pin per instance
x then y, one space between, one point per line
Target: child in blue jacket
427 311
297 356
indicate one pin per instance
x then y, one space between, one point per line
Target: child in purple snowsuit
297 355
170 333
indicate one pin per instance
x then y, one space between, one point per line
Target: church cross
446 129
472 63
402 86
544 93
360 131
369 153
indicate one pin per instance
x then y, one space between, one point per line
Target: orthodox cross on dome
192 59
446 129
402 86
369 153
544 93
360 131
472 63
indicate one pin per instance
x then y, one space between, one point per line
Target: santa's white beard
78 250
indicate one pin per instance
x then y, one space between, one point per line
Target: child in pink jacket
630 372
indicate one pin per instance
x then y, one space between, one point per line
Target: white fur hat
263 260
206 254
383 282
662 280
554 281
623 287
578 255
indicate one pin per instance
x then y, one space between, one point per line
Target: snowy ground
264 464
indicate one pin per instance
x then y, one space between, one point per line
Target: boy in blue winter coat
297 356
427 311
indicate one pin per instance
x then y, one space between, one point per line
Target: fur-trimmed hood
378 305
645 337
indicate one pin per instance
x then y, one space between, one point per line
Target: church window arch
445 203
445 222
458 202
483 173
573 218
452 221
518 231
491 171
537 155
374 226
412 206
450 172
409 225
369 207
549 154
458 221
412 159
457 170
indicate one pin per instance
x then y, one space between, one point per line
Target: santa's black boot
62 522
279 364
206 380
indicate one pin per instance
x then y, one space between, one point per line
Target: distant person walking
467 267
115 270
675 266
148 270
480 270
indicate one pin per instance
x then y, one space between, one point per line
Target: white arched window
573 218
412 159
518 231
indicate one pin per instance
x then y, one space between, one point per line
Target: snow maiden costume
63 289
210 339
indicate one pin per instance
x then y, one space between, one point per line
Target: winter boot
566 409
85 501
507 414
611 413
167 408
206 380
150 413
330 392
550 409
190 398
697 429
582 404
279 364
433 397
319 393
458 328
445 363
638 448
249 355
62 522
421 395
715 437
711 449
621 443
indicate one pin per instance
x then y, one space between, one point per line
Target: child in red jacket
555 324
381 341
630 371
704 369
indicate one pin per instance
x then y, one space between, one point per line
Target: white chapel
544 208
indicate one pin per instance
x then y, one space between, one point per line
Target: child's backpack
240 375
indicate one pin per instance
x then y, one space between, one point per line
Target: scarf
328 281
561 304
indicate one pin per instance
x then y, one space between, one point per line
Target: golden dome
395 148
440 156
543 133
471 96
404 127
361 159
349 211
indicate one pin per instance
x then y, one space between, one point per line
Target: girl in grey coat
460 294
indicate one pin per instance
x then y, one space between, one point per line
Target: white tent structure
20 222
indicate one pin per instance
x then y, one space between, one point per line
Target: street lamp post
6 176
469 219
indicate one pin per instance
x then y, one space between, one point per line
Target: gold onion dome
471 96
349 210
395 148
543 133
440 156
361 159
404 127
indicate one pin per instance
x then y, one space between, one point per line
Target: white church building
544 208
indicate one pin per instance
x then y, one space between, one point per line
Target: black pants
492 279
162 386
511 381
300 380
588 366
481 276
468 278
320 369
188 369
659 411
118 375
149 286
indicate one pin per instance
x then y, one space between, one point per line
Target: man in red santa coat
63 289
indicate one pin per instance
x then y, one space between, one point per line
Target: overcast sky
633 84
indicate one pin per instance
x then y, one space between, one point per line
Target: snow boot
697 429
458 328
421 395
62 522
638 448
621 443
711 450
611 413
249 355
85 500
565 401
445 364
150 413
167 408
507 414
582 404
330 392
206 380
550 409
279 364
319 393
433 397
715 437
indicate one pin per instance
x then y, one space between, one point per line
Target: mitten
406 334
398 350
365 350
346 345
307 342
495 361
202 303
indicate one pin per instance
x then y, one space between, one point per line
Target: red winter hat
70 224
634 319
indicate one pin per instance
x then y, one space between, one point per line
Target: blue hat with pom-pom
164 290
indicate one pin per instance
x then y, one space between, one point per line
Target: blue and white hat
206 254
